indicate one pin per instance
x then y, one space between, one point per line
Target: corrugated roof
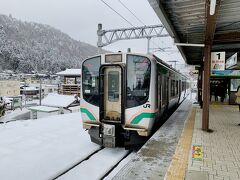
185 20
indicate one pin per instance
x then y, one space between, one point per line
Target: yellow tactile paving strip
179 162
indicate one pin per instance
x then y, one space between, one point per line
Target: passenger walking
213 90
222 90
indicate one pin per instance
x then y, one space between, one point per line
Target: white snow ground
43 148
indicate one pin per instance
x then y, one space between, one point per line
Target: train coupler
109 138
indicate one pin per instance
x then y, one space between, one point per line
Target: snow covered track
77 164
98 166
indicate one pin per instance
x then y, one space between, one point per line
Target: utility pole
148 45
40 102
40 88
99 37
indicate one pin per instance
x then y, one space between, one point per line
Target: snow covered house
50 88
55 104
29 91
71 81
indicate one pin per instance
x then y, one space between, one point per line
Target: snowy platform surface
42 148
153 159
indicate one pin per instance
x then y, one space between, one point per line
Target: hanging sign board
233 62
229 73
218 61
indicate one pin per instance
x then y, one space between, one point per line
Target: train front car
118 104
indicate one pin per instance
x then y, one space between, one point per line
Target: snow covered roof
76 72
44 109
57 100
30 88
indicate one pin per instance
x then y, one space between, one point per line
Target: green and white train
125 95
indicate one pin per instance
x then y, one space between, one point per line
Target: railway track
76 164
116 165
96 165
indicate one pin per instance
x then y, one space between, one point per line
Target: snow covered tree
28 46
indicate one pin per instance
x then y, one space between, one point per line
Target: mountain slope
27 46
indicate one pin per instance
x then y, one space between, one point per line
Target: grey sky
79 19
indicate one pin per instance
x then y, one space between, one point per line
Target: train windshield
138 80
90 80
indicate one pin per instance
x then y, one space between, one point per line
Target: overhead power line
139 21
117 13
131 12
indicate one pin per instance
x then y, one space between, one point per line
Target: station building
9 88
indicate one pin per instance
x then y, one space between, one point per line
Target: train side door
180 90
159 92
112 98
165 91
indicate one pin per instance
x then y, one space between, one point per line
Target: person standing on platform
222 90
2 107
238 97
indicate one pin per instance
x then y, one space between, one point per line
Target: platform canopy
189 21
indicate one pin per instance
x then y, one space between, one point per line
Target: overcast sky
79 19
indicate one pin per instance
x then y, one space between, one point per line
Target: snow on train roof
57 100
76 72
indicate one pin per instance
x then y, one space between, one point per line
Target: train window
138 80
177 87
113 86
183 86
90 80
172 88
159 91
164 90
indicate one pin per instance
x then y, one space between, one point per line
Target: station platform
169 152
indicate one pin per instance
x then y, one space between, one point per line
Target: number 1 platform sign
197 152
218 61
